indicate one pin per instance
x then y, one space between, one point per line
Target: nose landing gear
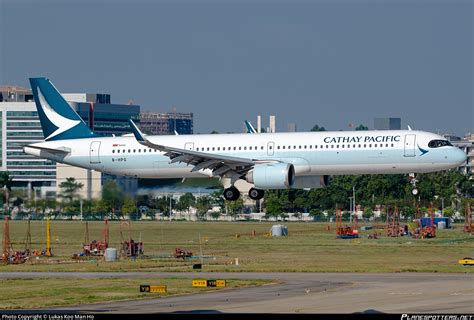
413 182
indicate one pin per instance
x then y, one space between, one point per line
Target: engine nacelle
272 176
312 182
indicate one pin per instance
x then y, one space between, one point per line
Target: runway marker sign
153 289
209 283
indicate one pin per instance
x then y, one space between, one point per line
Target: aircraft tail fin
250 128
58 120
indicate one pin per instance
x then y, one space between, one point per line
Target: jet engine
272 176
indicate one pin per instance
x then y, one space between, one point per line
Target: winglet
409 128
136 132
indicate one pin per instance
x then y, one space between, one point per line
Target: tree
361 127
112 197
69 189
272 204
162 204
6 183
129 207
318 128
186 201
235 207
203 205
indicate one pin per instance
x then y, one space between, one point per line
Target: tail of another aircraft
58 120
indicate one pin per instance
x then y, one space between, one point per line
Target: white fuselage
311 153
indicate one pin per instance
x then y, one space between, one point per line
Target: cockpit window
439 143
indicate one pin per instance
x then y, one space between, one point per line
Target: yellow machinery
467 262
48 239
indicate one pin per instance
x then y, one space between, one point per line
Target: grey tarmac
295 293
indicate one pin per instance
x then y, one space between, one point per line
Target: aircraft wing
218 164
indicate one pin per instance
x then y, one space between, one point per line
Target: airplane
250 128
266 161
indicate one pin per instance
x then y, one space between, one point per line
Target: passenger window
113 151
118 151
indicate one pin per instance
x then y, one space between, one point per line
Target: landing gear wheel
256 194
413 182
231 194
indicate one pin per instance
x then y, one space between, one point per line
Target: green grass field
44 293
308 248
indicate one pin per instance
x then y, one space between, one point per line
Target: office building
387 124
155 123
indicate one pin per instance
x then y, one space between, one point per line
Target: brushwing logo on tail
63 124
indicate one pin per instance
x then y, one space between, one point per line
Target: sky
330 63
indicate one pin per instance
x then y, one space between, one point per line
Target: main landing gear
413 182
256 194
233 194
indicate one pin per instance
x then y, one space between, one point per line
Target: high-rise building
156 123
20 126
291 127
387 124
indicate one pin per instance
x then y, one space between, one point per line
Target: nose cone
459 156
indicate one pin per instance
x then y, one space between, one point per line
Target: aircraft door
270 148
189 146
410 145
94 152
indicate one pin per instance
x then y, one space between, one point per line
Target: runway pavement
298 293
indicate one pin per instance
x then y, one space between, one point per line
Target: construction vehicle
429 231
96 247
6 253
182 253
344 232
129 248
468 224
9 256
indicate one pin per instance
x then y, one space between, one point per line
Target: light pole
350 208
